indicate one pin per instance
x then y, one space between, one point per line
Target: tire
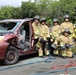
12 56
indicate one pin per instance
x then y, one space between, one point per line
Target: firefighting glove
67 46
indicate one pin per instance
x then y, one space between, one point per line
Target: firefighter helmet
37 17
43 20
66 16
55 20
67 31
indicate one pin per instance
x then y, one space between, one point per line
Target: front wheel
12 56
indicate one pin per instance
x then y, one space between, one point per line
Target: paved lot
39 66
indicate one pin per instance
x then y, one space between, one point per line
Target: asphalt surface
33 65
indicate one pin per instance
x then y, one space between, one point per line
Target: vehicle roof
16 20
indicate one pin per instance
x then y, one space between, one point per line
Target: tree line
48 9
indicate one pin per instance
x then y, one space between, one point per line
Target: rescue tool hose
51 72
59 67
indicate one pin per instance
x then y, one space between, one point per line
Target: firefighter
74 36
74 33
43 40
67 24
64 41
36 28
56 29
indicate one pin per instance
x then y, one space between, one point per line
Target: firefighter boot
55 52
40 52
47 53
63 53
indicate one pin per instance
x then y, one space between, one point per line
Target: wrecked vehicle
16 39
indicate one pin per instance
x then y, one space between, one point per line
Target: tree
48 9
28 9
16 13
43 7
5 12
68 7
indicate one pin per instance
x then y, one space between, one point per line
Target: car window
7 25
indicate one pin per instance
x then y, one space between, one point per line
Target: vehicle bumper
3 48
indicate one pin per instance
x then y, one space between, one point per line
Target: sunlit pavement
39 66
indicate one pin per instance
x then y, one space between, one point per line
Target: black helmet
43 20
37 17
66 16
67 31
55 20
